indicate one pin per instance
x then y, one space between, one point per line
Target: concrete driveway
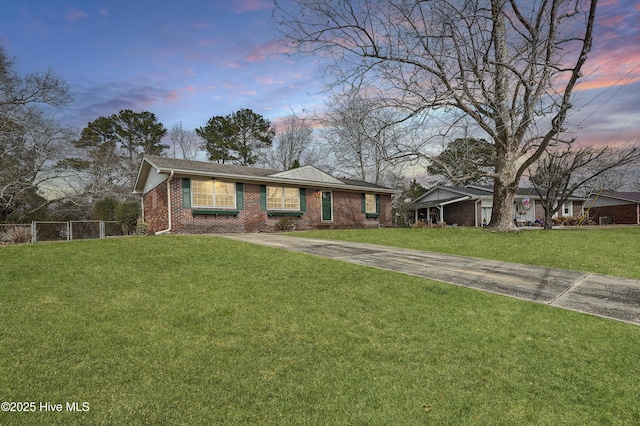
601 295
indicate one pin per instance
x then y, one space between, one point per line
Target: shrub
105 209
142 227
16 235
286 224
127 215
572 221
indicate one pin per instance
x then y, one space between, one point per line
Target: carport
433 210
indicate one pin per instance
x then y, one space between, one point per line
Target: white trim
282 198
166 231
213 195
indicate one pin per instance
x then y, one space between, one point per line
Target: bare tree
508 65
561 172
31 144
358 135
293 145
185 141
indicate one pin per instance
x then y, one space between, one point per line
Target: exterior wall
620 214
347 213
577 208
155 208
462 213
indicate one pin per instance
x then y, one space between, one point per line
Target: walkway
606 296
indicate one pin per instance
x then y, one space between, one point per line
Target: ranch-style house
181 196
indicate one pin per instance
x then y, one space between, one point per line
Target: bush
105 209
572 221
286 224
16 235
142 227
127 215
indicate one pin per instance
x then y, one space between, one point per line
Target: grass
609 251
203 330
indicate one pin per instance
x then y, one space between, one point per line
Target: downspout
475 213
166 231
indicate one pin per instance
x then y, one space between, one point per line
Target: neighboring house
471 205
181 196
614 208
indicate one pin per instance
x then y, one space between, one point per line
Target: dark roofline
624 196
480 191
244 173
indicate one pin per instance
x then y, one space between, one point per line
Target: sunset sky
190 60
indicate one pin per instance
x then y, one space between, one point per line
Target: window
225 194
370 203
202 193
206 193
283 198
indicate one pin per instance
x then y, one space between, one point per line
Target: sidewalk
606 296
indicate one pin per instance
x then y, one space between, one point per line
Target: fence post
69 236
34 237
102 229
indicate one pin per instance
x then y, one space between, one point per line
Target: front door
327 206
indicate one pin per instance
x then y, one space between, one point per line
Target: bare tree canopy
31 144
185 141
559 173
293 145
508 65
358 134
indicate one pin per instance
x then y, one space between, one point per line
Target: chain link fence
58 231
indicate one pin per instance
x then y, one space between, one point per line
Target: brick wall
622 214
347 212
155 208
462 213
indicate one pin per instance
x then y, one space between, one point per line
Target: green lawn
603 250
204 330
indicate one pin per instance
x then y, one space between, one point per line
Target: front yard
204 330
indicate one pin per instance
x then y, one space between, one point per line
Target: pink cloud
171 96
270 49
264 79
615 55
75 14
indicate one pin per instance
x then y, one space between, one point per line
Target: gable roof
469 192
156 169
309 173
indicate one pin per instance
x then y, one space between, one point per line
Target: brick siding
621 214
461 213
347 213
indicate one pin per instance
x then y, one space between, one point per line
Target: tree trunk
548 220
502 210
505 183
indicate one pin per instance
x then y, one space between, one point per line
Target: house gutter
166 231
276 179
